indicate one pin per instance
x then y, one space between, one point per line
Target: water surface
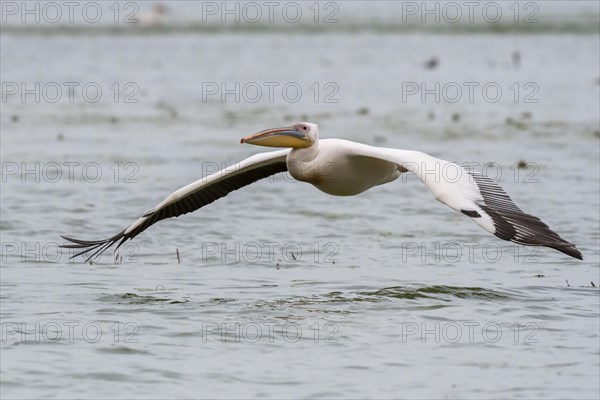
281 290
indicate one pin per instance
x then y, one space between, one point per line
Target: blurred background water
280 290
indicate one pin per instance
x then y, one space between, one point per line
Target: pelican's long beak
289 136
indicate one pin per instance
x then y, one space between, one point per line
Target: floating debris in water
592 282
363 111
522 164
178 259
540 275
516 59
113 120
568 285
526 115
379 139
432 63
173 111
229 115
455 117
14 118
60 137
517 124
431 116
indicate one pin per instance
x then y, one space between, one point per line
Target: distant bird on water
154 17
344 168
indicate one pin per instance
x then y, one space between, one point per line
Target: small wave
122 350
132 298
438 292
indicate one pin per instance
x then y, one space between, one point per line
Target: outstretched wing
474 195
191 197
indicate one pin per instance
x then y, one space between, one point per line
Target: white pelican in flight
343 168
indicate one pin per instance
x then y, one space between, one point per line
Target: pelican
344 168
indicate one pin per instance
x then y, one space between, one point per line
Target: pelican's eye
304 127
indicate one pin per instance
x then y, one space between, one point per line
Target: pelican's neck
300 163
306 154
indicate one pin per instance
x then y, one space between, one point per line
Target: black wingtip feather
511 223
569 250
97 246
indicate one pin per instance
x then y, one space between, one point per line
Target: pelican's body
344 168
334 167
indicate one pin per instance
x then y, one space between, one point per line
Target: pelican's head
298 136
